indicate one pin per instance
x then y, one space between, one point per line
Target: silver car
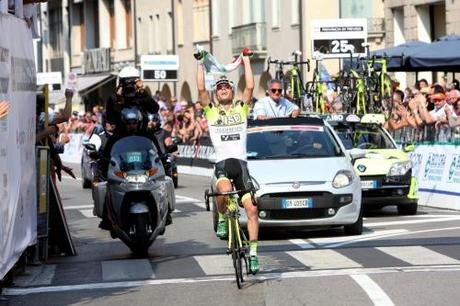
305 175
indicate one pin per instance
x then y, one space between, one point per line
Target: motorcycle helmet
131 115
155 118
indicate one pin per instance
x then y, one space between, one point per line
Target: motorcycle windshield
134 153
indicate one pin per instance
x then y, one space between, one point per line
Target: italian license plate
297 203
368 184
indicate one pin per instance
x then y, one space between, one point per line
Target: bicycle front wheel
236 254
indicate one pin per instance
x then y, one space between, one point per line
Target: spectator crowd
422 113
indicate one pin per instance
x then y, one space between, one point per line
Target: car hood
314 170
378 162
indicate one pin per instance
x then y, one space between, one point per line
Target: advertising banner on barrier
18 208
437 169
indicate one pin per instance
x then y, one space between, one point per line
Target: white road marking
399 232
182 199
405 222
126 269
78 207
335 242
418 255
302 243
375 236
215 264
177 210
210 279
88 213
375 293
323 259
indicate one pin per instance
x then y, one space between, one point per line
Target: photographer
130 92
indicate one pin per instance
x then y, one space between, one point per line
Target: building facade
422 20
94 39
271 28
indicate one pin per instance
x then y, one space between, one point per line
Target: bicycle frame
237 242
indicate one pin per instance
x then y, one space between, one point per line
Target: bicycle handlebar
216 194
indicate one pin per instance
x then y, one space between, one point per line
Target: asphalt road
412 260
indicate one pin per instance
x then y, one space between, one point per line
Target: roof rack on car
311 120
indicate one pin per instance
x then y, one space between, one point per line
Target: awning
88 83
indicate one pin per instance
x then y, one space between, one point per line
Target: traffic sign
336 38
159 67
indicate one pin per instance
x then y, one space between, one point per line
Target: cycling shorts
236 170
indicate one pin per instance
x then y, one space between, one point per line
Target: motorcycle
138 196
89 170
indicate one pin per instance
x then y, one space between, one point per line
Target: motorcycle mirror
172 148
90 146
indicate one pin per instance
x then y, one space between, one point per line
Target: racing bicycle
291 80
237 242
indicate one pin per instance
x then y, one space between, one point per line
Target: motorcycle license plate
134 157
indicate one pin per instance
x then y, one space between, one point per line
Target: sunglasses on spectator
223 86
276 90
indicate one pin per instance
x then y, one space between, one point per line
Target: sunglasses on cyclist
223 86
276 90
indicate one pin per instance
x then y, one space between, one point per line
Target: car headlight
342 179
400 168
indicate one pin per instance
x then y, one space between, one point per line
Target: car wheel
215 216
355 228
408 209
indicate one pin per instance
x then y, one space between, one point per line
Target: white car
305 175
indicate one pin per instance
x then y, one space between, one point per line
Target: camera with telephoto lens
129 87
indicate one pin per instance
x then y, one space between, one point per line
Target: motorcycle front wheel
141 236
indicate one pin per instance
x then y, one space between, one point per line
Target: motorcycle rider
127 110
130 92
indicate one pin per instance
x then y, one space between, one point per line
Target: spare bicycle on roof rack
293 86
366 86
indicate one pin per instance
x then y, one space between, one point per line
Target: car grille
296 214
388 186
271 204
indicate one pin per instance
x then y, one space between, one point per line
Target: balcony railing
252 36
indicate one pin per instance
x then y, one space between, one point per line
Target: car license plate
368 184
297 203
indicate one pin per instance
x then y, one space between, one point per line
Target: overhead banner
337 38
18 208
437 169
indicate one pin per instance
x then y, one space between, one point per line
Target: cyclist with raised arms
227 120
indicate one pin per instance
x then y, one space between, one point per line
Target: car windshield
291 142
134 153
363 136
